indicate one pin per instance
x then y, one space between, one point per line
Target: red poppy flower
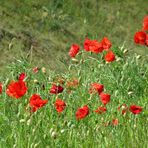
1 87
82 112
36 102
145 23
96 87
55 89
93 46
74 50
96 47
105 98
22 76
60 105
60 80
100 110
35 69
146 40
16 89
72 83
87 43
109 57
106 44
115 122
140 37
135 109
124 108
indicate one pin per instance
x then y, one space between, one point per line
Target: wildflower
146 40
61 80
106 44
22 76
35 69
55 89
100 110
1 87
140 37
74 50
145 23
60 105
82 112
72 83
109 57
36 102
87 43
115 122
105 98
93 46
96 87
16 89
124 108
135 109
96 47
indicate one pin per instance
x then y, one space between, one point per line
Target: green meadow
39 33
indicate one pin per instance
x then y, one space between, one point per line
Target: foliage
125 80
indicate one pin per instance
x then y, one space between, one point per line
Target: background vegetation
40 33
43 30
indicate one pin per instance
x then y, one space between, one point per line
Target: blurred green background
43 30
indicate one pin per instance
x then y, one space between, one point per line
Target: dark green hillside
43 30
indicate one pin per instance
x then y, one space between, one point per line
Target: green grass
49 27
46 128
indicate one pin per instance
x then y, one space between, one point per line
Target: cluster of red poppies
141 37
95 47
18 89
105 99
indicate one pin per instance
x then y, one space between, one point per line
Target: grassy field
125 79
40 33
43 31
